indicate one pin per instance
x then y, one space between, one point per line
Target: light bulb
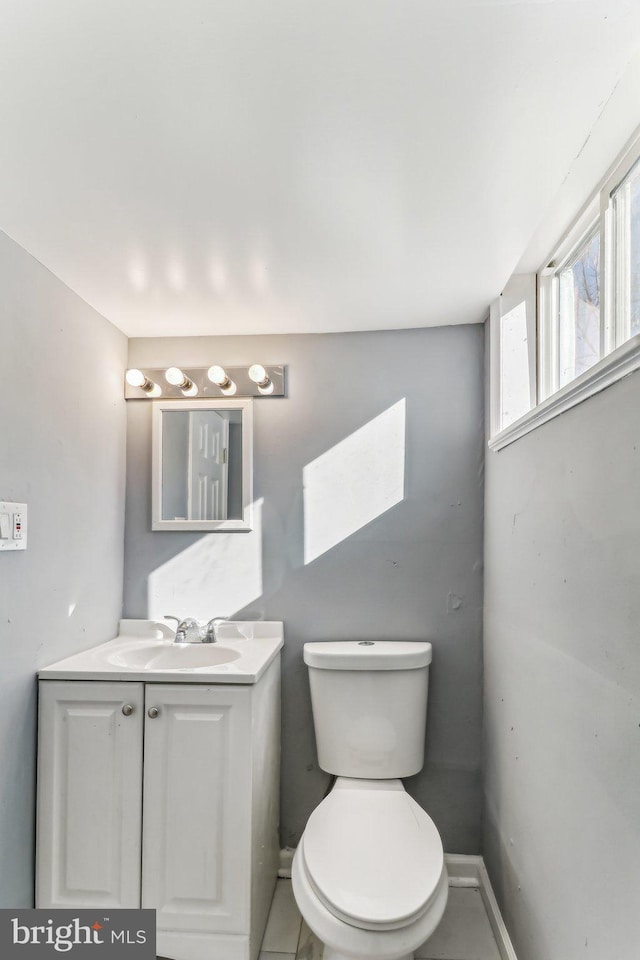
135 378
266 390
258 374
218 376
174 376
177 378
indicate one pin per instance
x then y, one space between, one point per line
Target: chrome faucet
187 631
190 631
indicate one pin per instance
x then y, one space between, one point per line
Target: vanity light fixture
136 378
177 378
259 375
205 383
220 377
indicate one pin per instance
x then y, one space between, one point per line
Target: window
625 200
513 319
577 325
579 339
574 327
514 373
587 313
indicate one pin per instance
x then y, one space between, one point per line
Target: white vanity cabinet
89 794
182 778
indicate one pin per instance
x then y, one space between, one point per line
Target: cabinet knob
127 709
153 712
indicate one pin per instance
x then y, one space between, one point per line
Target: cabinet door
197 807
89 794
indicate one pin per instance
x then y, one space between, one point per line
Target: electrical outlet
13 526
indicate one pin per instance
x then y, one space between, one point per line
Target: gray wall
63 450
562 681
414 572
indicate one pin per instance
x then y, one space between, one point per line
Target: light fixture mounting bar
245 386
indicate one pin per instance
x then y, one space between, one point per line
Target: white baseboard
500 932
464 871
469 871
286 859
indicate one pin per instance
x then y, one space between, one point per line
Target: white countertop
144 650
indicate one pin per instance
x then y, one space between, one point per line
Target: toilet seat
372 855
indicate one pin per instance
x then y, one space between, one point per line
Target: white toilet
368 875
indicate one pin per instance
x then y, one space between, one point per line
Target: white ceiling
271 166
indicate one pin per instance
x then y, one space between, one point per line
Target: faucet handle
210 629
178 620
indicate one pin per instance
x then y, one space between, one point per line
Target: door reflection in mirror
201 464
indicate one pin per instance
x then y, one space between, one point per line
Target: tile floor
463 934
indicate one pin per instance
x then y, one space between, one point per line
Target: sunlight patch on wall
354 482
218 575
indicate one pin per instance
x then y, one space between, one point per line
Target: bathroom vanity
158 784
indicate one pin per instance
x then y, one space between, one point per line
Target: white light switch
13 526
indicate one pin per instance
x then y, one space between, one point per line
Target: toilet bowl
369 874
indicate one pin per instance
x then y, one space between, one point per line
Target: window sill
610 369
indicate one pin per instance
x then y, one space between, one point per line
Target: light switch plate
13 530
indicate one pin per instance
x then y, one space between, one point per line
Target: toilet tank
369 701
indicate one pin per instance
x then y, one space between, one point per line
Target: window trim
619 359
618 364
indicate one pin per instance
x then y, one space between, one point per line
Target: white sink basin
173 656
143 651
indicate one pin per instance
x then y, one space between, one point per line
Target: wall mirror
202 467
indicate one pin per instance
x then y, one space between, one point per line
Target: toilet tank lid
367 654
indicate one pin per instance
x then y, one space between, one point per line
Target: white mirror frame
212 526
